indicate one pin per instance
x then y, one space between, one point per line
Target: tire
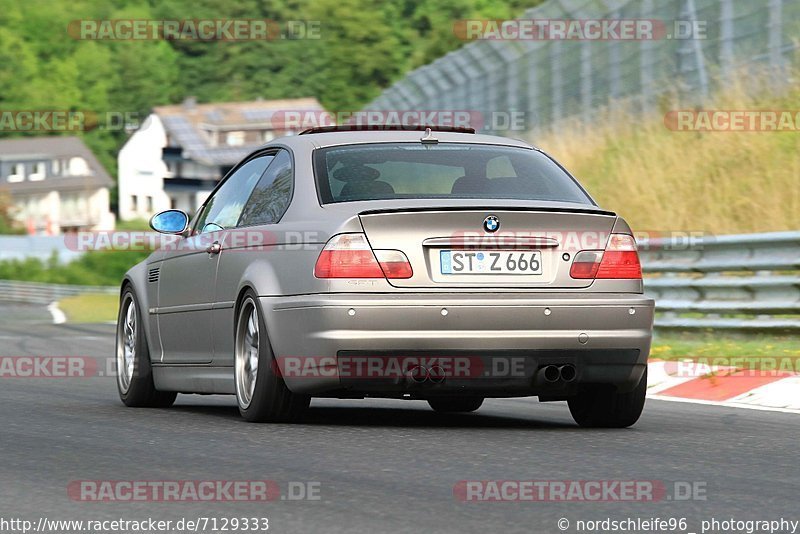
456 404
261 393
602 407
133 371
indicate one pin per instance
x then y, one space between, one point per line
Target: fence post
774 39
645 62
556 85
697 47
586 81
531 89
726 39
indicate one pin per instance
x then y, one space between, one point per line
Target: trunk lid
451 248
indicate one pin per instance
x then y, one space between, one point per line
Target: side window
224 208
271 197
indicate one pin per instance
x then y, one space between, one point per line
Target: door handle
214 248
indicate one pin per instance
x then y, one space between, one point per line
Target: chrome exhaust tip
568 372
551 373
417 374
436 374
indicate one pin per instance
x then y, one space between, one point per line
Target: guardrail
739 282
38 293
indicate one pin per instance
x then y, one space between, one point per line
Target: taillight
585 264
394 263
620 260
350 256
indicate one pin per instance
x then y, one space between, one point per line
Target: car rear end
464 267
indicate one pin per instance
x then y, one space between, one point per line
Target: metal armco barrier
741 282
38 293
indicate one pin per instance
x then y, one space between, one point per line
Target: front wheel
134 374
602 407
456 404
261 393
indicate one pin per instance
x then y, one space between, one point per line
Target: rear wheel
261 393
456 404
603 407
134 374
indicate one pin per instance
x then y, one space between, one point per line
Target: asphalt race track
381 466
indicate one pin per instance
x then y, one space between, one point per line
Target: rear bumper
606 337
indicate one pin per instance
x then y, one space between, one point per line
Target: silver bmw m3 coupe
432 264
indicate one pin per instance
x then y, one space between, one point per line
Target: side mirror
170 222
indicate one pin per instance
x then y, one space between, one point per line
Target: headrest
356 173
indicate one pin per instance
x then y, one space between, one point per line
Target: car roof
312 141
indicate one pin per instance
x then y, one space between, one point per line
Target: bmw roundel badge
491 223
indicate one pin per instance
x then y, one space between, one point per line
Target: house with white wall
181 151
56 185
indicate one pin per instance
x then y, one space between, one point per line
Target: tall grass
662 180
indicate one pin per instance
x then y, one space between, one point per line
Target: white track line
724 404
55 311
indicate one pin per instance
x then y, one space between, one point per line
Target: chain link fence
544 81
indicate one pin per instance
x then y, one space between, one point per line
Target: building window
134 203
78 167
173 169
17 173
234 138
56 167
148 202
39 171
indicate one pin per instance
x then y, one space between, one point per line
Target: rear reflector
350 256
620 260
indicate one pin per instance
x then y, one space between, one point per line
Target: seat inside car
361 181
472 185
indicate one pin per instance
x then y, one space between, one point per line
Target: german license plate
491 262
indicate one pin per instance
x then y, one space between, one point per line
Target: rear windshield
413 170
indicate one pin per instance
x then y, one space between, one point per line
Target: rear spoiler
588 210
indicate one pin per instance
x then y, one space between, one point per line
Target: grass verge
762 351
664 180
90 307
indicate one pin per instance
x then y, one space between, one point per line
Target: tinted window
272 195
224 208
406 170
